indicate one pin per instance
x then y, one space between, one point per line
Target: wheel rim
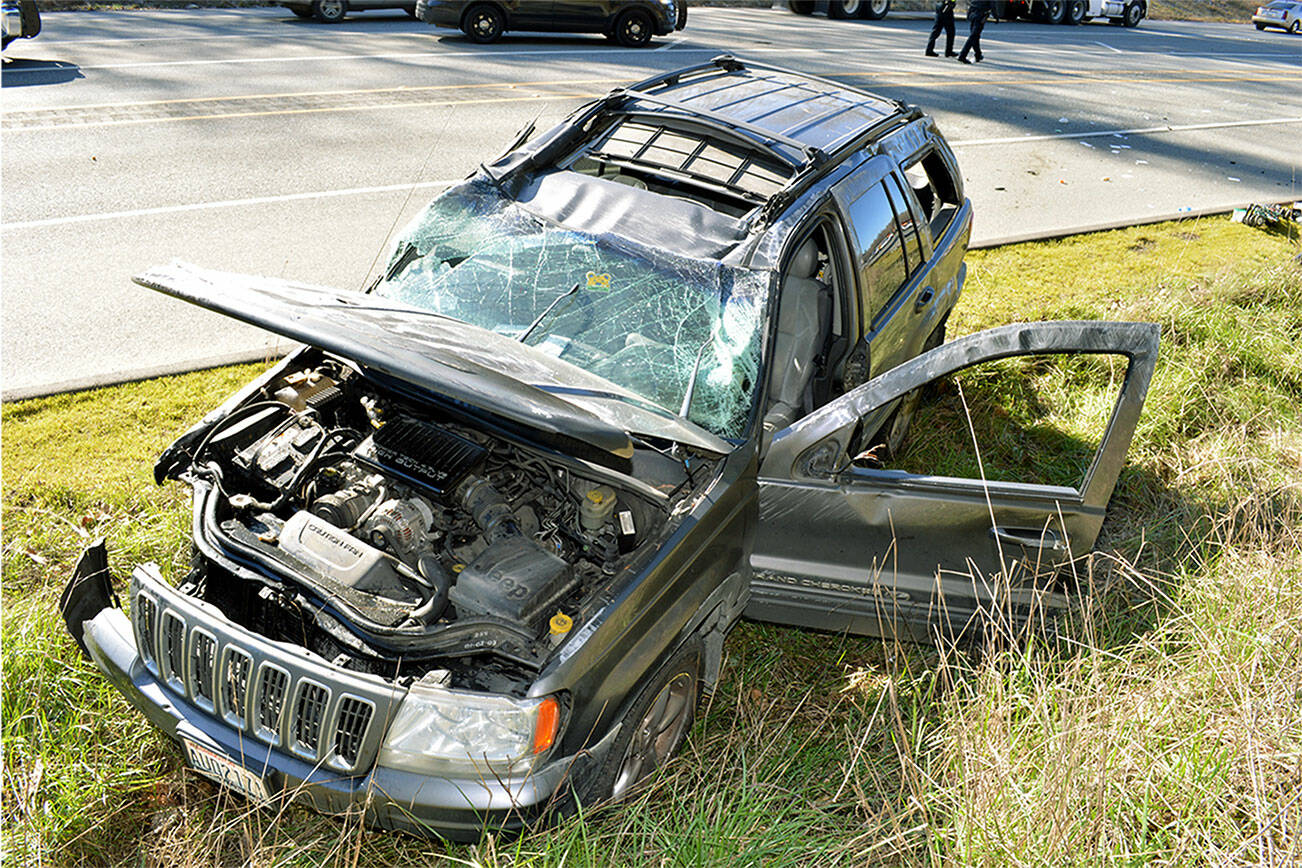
331 8
658 732
634 29
484 24
879 7
851 7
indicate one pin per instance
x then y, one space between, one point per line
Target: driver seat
804 319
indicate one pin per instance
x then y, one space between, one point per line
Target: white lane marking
1136 131
1109 47
226 203
394 188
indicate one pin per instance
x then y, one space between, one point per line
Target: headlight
450 732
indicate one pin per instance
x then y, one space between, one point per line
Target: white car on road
1282 14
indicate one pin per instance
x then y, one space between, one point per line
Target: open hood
436 353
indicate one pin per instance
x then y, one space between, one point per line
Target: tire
302 11
843 9
874 10
1133 15
1076 10
1261 26
1055 12
1296 27
483 23
634 29
801 7
652 731
329 11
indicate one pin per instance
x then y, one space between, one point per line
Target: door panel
852 547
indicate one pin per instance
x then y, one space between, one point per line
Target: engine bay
383 535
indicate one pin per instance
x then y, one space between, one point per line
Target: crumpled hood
436 353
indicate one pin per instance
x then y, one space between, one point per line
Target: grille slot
203 660
173 647
271 698
354 718
146 616
235 684
309 714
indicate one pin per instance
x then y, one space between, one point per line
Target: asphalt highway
252 141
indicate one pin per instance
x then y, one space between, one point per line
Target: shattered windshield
684 334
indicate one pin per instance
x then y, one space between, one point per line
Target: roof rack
816 161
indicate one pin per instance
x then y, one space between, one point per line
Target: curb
119 378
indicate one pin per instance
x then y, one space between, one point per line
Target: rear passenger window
881 264
913 257
936 190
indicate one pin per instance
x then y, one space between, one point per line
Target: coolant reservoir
596 509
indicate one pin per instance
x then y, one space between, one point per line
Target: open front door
1004 479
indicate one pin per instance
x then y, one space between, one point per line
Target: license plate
226 772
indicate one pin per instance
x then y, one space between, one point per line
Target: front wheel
634 29
329 11
483 24
652 731
1076 12
1134 15
1296 27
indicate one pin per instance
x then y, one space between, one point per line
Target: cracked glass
684 334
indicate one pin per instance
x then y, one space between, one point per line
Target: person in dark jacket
977 13
944 21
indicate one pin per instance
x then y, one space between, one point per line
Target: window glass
881 255
913 257
1036 419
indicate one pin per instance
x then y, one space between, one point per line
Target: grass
1165 728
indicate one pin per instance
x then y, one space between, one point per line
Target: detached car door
986 505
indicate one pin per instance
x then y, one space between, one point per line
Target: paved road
252 141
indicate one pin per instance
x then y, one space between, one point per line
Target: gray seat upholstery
804 317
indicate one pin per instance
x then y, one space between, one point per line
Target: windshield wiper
696 369
542 316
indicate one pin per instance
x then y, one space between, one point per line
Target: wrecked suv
472 552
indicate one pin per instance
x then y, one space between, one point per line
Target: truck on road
1125 12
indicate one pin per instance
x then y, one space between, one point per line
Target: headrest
805 262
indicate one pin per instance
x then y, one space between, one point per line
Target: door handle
923 299
1046 540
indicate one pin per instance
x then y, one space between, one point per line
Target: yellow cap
596 495
561 624
456 568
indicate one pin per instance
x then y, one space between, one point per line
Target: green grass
1163 729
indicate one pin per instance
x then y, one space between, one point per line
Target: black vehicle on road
632 23
472 552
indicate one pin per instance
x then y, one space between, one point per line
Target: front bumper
460 809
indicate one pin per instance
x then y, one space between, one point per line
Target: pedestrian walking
944 21
977 13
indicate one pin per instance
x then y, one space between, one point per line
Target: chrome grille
235 685
173 647
203 660
271 698
308 717
277 695
354 718
146 616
